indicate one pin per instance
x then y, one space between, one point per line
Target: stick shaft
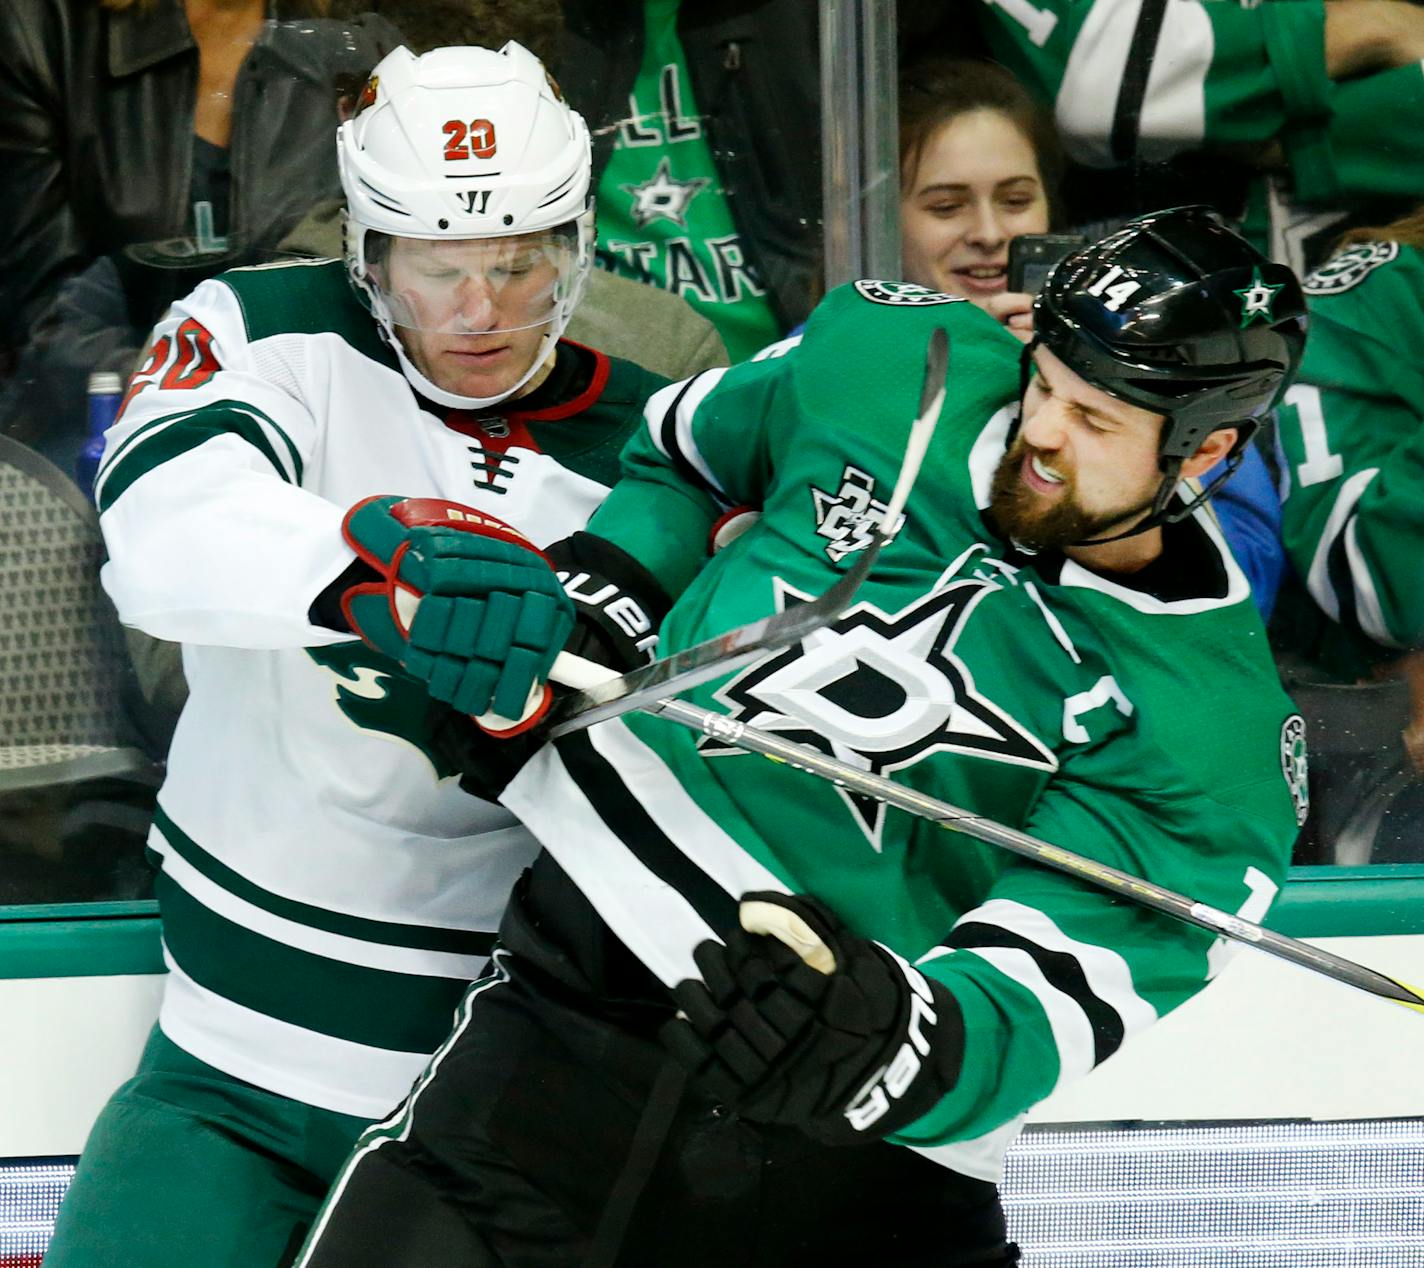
602 694
739 734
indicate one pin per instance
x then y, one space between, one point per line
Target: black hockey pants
552 1132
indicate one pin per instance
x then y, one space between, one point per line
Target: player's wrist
325 609
618 604
918 1072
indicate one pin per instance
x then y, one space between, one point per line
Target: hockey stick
864 783
602 695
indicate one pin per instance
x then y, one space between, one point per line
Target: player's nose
1046 427
475 305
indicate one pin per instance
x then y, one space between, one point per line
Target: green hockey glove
618 606
463 601
799 1021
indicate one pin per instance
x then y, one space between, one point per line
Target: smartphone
1031 255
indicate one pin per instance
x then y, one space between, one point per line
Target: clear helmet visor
468 286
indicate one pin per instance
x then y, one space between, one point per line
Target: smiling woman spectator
979 165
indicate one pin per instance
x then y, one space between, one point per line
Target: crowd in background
147 144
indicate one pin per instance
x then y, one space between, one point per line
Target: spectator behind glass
1351 437
148 144
979 165
1351 451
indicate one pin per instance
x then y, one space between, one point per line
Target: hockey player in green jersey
1352 520
327 890
1053 639
1351 434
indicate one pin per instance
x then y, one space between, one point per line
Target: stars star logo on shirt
664 196
1256 300
880 691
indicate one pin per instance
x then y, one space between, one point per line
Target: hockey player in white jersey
273 488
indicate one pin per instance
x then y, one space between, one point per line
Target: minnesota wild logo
377 695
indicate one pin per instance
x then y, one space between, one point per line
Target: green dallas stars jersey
1352 456
1148 733
327 890
662 213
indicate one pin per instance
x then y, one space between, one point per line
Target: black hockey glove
618 606
839 1037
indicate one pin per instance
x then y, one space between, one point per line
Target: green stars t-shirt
663 215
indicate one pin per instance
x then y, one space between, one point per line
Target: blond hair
1408 230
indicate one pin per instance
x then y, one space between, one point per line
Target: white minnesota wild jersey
327 890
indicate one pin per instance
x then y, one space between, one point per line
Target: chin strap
440 395
1171 467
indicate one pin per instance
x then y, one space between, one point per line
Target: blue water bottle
106 390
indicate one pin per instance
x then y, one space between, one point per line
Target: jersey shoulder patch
304 297
878 292
1346 269
1294 766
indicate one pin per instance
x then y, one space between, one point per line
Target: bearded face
1035 503
1083 465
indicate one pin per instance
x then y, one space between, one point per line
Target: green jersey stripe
152 446
388 933
401 1012
167 420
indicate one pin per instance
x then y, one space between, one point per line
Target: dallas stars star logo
880 691
664 196
1256 300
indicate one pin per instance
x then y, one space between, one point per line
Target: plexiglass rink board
1268 1195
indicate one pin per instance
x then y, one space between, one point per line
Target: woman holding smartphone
979 166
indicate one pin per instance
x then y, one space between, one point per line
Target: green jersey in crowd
662 214
1351 436
1136 720
1225 74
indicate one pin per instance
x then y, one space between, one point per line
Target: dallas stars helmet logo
1256 300
848 518
880 691
664 196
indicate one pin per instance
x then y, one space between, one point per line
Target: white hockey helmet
460 144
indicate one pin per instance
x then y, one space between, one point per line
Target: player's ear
1212 450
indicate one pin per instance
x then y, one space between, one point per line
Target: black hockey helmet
1179 314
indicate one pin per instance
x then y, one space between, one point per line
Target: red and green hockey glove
799 1021
463 601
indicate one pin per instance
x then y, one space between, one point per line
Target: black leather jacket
755 72
96 137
